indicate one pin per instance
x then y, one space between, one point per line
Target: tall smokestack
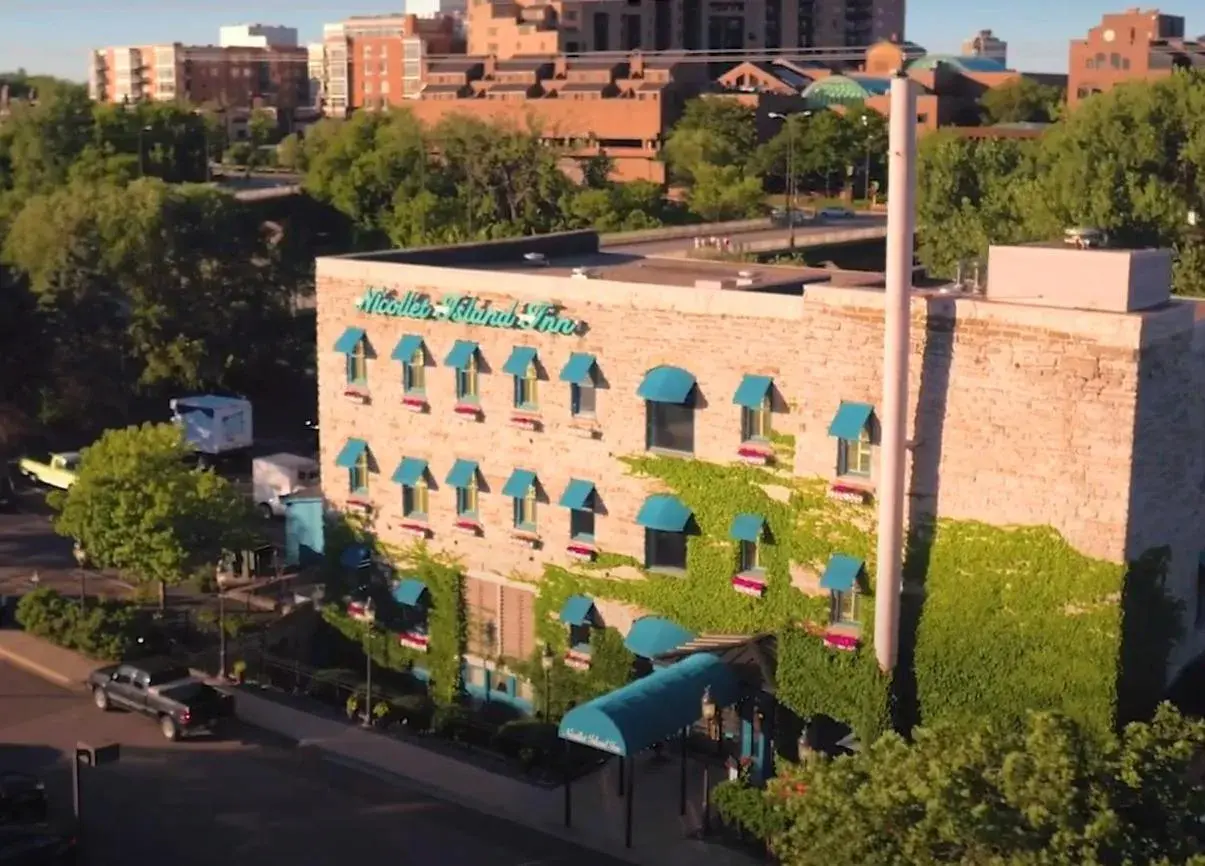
901 194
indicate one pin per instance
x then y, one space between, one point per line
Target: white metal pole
894 411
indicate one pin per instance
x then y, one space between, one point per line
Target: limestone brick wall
1020 415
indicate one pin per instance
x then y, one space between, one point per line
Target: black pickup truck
182 704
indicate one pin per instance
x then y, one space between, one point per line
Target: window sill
756 453
849 489
668 452
414 641
752 583
585 427
360 501
468 411
360 612
415 402
416 527
577 659
526 420
582 550
468 526
357 394
666 570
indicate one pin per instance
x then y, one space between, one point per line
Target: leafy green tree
288 152
262 130
138 507
1047 795
711 132
724 193
1021 101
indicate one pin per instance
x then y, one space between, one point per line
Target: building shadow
923 488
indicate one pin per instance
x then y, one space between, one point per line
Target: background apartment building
1135 44
254 65
986 44
509 28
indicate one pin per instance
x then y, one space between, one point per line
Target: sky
54 36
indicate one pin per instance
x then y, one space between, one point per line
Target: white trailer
277 476
214 425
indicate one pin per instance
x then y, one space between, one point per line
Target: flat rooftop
570 254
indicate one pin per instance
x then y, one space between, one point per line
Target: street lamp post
546 663
81 559
221 633
708 708
368 623
141 150
866 164
786 122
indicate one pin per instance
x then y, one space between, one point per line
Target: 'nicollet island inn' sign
540 317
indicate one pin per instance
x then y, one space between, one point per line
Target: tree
711 132
261 131
723 193
1047 795
1021 101
288 152
138 507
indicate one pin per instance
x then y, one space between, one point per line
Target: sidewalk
660 834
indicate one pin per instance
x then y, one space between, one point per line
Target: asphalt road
802 233
247 800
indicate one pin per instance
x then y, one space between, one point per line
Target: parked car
55 470
37 845
165 690
836 213
22 798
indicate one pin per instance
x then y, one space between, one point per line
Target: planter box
841 641
525 539
584 552
748 584
357 395
468 527
418 530
415 403
585 431
467 411
758 455
360 612
526 422
577 661
413 641
849 493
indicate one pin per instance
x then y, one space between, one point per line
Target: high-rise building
510 28
372 61
986 44
255 66
1142 44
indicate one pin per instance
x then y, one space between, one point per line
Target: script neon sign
542 317
594 741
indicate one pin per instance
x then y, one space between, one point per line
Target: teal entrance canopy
652 709
651 636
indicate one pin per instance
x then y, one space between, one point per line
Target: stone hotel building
694 446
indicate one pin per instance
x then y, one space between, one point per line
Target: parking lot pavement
247 799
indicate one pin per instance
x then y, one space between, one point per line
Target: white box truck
214 426
277 476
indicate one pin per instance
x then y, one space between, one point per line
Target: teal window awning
753 391
841 574
747 527
462 353
348 340
666 385
521 357
462 474
630 719
663 513
651 636
352 451
577 610
578 495
406 347
579 370
851 419
520 481
409 591
410 471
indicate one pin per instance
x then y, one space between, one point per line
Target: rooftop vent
1085 238
585 273
535 259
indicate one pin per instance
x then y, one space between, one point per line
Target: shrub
415 711
106 630
527 735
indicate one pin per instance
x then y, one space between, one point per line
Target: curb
41 671
472 804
